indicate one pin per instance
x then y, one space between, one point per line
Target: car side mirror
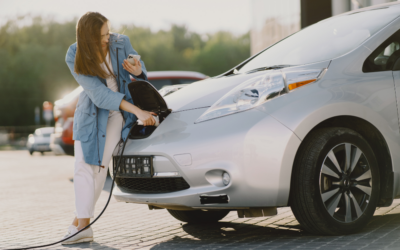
396 65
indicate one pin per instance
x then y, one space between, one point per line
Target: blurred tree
221 52
32 66
33 69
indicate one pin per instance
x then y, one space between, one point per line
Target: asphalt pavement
37 204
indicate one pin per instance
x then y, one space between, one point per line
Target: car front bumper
40 147
256 150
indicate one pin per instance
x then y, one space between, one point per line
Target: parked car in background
160 79
61 141
167 90
39 141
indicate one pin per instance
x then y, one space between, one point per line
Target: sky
202 16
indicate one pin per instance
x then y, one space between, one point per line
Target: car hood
206 92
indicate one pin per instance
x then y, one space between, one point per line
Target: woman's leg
89 179
75 222
114 128
84 185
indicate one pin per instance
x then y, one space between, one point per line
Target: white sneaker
84 236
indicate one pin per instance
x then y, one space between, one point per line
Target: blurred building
274 20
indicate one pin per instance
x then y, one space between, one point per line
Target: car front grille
151 185
134 166
135 175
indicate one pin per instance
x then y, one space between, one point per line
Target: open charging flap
146 97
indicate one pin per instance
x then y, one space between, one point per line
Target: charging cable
104 209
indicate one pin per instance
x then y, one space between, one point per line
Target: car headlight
31 139
259 90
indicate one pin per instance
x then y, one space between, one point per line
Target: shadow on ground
226 235
232 235
107 184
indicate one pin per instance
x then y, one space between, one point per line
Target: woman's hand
134 70
146 117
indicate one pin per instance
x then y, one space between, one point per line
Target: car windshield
324 40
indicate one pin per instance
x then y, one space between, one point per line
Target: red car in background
61 141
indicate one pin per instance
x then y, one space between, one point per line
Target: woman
104 113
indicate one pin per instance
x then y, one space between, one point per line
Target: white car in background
39 141
167 90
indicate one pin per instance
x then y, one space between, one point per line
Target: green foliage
33 69
221 52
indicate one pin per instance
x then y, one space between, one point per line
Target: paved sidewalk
37 204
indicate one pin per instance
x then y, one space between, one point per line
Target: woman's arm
129 50
145 116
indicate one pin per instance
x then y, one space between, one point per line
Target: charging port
146 97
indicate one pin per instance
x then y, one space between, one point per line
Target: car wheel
42 152
335 182
199 216
31 152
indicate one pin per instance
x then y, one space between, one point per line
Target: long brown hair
89 53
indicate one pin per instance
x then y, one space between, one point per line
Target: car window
159 83
187 81
182 81
384 57
324 40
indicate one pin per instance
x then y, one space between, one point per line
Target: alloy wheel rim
345 182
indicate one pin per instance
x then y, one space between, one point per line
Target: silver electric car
312 122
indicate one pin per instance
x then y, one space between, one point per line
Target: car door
394 62
383 59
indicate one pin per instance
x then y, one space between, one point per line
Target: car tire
326 201
198 216
31 152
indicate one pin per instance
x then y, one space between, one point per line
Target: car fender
374 105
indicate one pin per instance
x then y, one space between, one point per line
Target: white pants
89 179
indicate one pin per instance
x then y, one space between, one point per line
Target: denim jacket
95 102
